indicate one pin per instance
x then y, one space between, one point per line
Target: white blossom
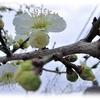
6 74
37 24
51 22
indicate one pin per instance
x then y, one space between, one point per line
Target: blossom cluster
37 24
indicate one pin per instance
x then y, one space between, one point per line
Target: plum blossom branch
83 46
79 47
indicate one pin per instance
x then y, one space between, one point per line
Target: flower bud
72 77
39 38
86 72
18 62
71 58
24 66
1 23
26 45
16 45
28 80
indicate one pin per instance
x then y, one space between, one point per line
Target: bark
92 49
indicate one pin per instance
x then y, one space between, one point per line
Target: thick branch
94 30
79 47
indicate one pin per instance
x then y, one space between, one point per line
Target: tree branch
92 49
94 30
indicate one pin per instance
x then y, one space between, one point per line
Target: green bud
24 66
19 12
86 72
20 41
25 45
72 77
27 65
57 69
28 80
1 24
71 58
16 45
19 62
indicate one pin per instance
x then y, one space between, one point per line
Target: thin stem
63 72
20 45
6 49
66 63
24 42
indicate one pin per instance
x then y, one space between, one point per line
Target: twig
86 23
20 45
94 30
66 63
6 49
58 72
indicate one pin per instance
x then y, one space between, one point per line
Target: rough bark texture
79 47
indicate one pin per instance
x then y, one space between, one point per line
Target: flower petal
7 68
19 20
56 23
23 23
22 30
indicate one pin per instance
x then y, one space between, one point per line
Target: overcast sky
76 14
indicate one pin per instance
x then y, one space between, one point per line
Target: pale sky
76 13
